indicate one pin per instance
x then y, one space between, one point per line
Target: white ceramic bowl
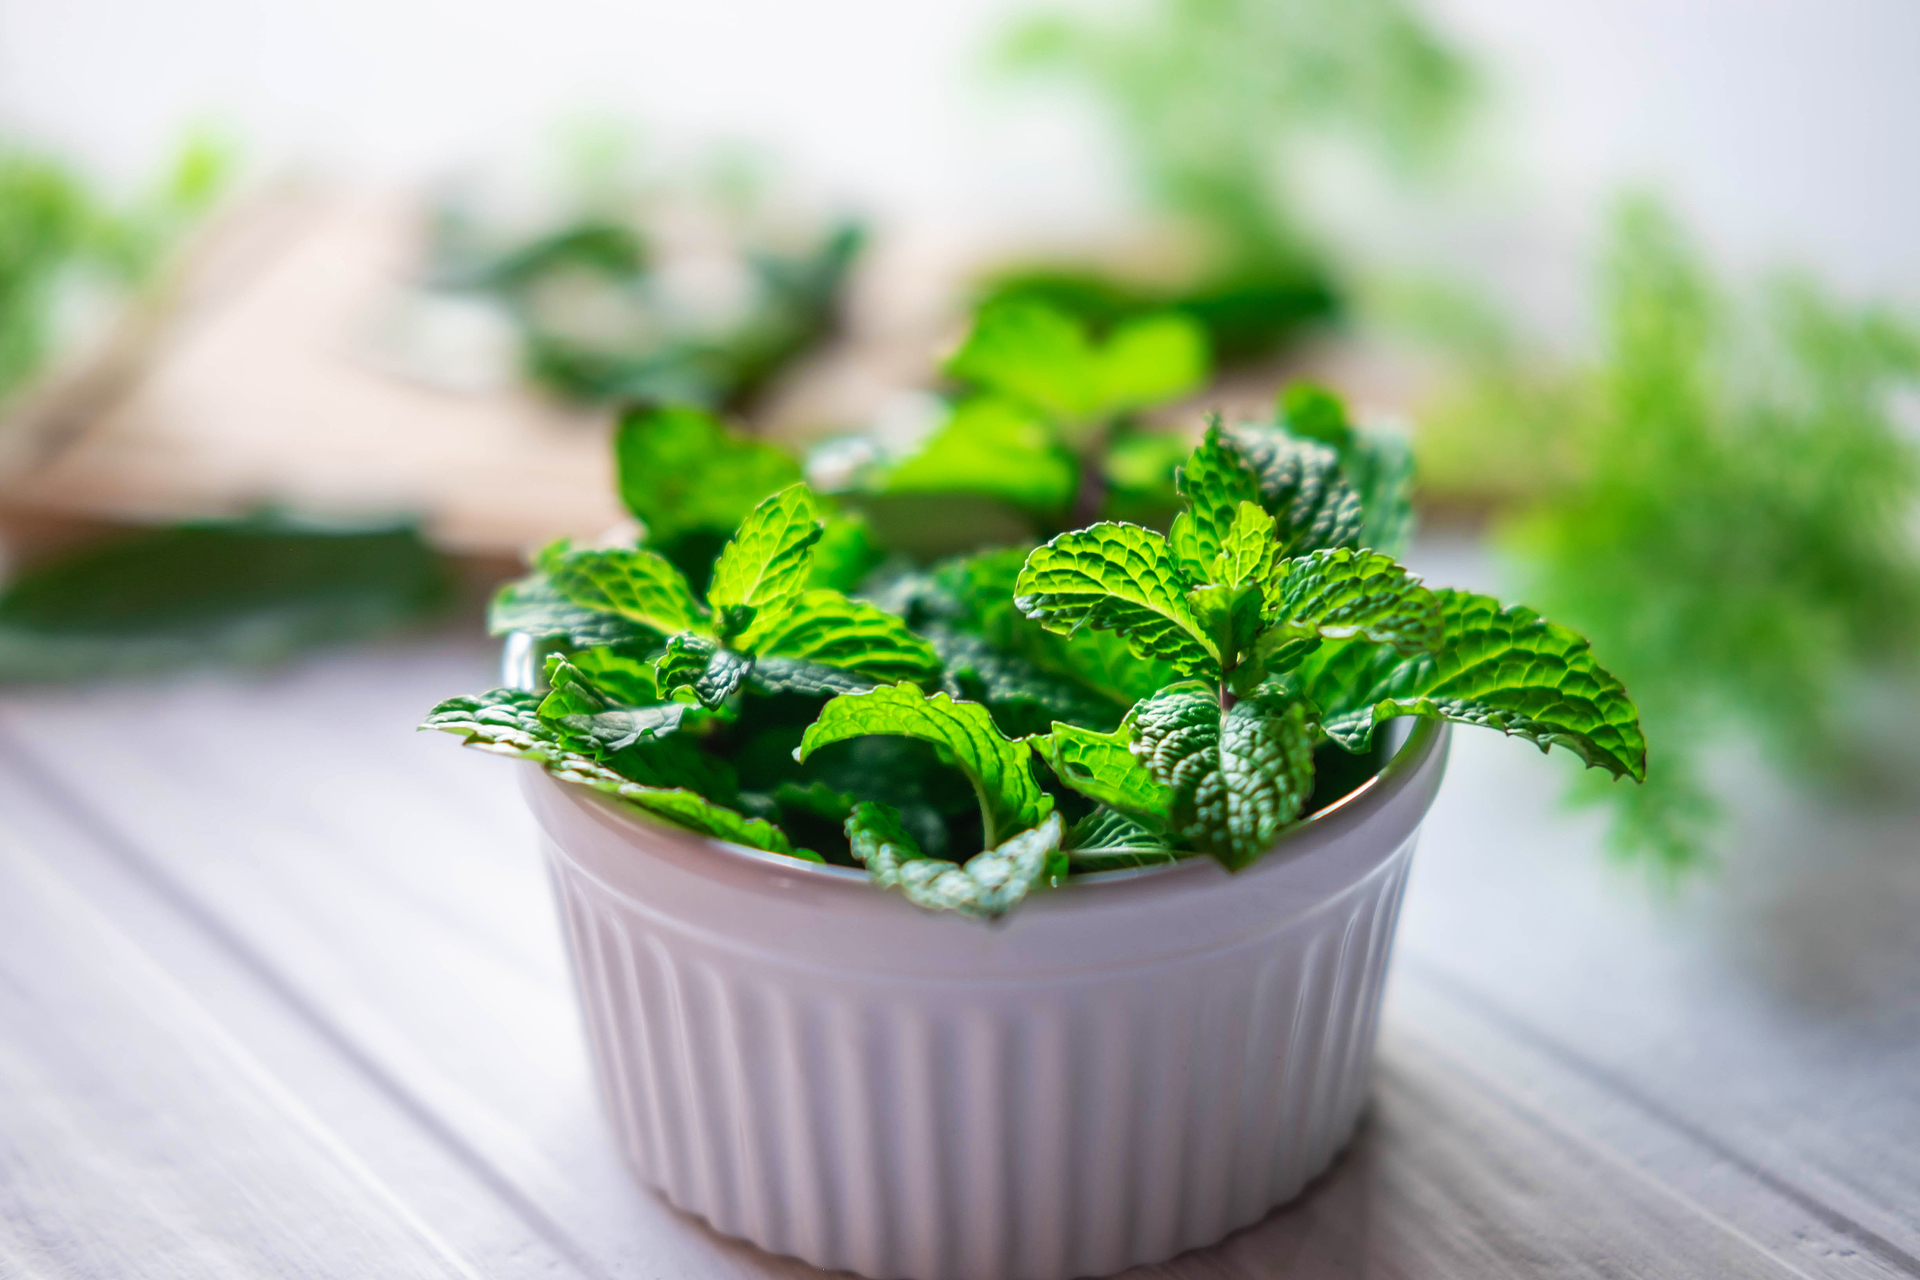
1126 1068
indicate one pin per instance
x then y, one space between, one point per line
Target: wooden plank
140 1139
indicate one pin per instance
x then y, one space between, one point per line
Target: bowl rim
1426 735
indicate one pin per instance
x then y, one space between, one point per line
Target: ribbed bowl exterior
1120 1072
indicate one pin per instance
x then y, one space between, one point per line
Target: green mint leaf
845 554
1122 578
696 662
815 799
772 675
506 722
619 672
1230 616
534 607
1103 767
1032 353
1152 360
826 628
1503 668
1378 466
964 735
635 584
580 714
987 886
1303 487
1336 595
1247 552
1108 840
1023 697
1214 482
994 446
1238 778
765 565
682 472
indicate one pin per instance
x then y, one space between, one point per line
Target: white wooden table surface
282 994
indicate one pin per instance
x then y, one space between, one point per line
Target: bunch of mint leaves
991 725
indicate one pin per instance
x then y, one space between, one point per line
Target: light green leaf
687 809
1230 616
765 565
682 472
1108 840
532 606
579 713
1103 767
635 584
505 722
825 627
619 672
964 735
1336 595
1247 552
1152 360
988 886
994 446
1378 466
1303 487
1032 353
1214 482
1238 778
1118 577
1502 668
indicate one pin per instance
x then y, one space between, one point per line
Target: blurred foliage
58 233
1215 102
669 290
1047 430
247 591
1722 501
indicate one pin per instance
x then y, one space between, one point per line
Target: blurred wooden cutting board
254 382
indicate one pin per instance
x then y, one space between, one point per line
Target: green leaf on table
765 565
1214 482
1108 840
246 591
987 885
1117 577
1339 594
827 628
1103 767
633 583
1303 487
533 606
964 735
994 446
1239 777
1502 668
682 472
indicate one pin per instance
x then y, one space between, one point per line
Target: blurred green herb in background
244 592
58 232
665 287
1721 502
1215 102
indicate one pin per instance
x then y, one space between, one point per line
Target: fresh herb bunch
1049 421
1722 500
1114 697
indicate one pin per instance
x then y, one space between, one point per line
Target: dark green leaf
1023 697
773 675
248 591
962 732
1303 487
696 662
1238 778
